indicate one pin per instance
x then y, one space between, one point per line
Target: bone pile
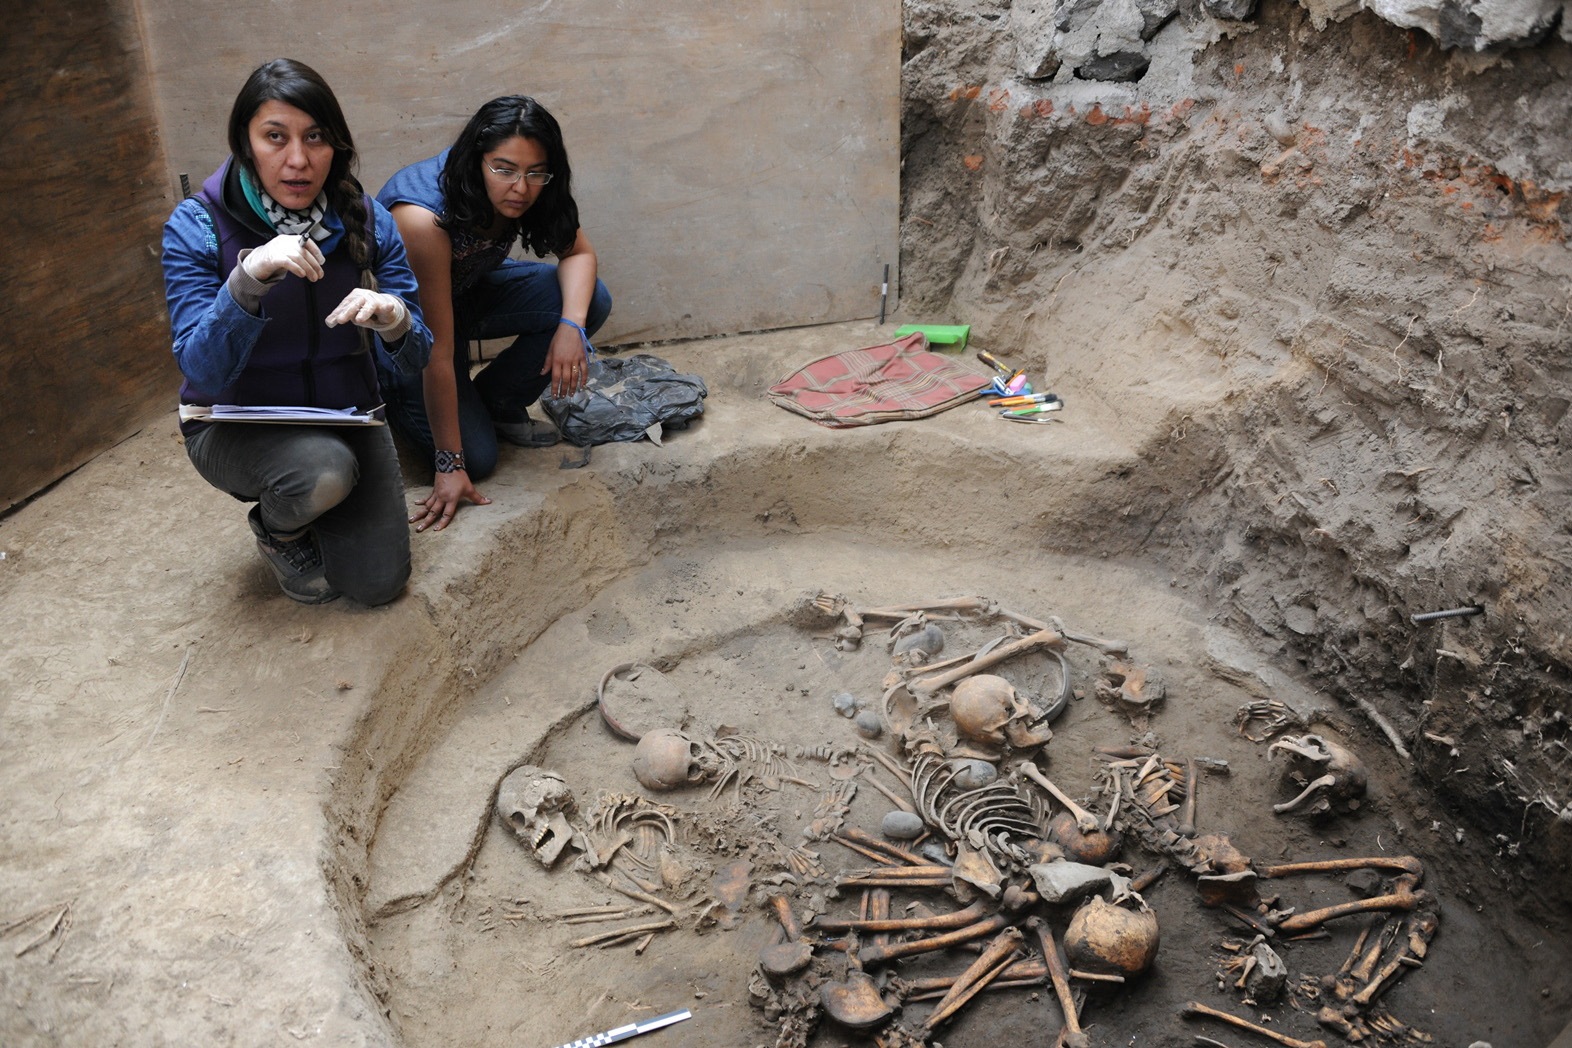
1016 859
985 874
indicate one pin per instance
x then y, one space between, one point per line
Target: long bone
1402 899
880 954
995 958
1026 971
1084 819
1187 824
867 840
1074 1037
1196 1008
1047 638
1421 930
959 605
1412 870
943 921
894 798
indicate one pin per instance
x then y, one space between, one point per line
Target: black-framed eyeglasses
509 176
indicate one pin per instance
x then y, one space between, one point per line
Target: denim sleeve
213 336
408 355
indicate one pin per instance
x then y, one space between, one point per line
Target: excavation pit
465 938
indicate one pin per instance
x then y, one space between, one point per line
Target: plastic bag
623 398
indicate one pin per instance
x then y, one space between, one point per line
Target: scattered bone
850 834
1074 1037
995 958
959 919
1107 647
1195 1008
855 1003
635 893
786 958
623 934
1403 899
986 926
1339 776
1043 639
1275 717
1187 824
1134 690
1084 819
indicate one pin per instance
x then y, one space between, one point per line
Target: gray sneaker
531 433
295 562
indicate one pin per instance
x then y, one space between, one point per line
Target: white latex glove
370 309
285 253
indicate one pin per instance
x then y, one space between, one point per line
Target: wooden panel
736 164
86 338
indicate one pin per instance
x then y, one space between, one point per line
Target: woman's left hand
370 309
566 362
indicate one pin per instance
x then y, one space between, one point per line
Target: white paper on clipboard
281 414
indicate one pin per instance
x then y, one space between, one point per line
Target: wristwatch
448 461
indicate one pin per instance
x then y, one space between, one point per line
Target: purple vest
298 359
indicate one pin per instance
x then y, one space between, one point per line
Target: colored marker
1022 400
1034 409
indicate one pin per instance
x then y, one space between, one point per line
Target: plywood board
736 165
85 349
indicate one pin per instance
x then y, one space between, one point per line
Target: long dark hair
552 222
297 84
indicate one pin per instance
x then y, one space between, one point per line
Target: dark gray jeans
340 481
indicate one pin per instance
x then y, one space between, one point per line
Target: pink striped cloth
861 387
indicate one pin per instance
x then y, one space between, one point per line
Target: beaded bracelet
448 461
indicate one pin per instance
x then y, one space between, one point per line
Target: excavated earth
1303 285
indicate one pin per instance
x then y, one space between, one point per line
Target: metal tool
622 1033
884 292
1452 613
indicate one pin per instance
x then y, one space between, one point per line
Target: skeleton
1195 1008
1134 690
535 805
1275 718
1339 776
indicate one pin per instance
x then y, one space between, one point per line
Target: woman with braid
505 179
287 285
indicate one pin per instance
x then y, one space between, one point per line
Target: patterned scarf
282 218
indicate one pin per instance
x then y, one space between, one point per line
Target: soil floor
232 820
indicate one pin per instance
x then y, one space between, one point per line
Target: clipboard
280 414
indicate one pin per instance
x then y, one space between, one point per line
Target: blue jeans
519 299
342 482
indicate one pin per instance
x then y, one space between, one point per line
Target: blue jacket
284 355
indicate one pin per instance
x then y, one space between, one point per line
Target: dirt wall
81 296
1330 258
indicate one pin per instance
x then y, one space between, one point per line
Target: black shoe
295 561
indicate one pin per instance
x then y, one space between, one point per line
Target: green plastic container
944 338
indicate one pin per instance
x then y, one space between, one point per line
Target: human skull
666 759
981 705
535 804
1111 939
1333 778
987 709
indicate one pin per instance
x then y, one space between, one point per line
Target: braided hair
552 223
297 84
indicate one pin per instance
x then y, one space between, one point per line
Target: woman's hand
566 362
285 253
449 489
370 309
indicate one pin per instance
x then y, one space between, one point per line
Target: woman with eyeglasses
284 282
506 178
